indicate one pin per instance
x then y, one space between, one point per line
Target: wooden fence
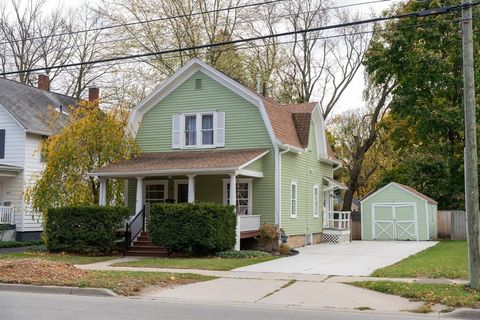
356 226
452 224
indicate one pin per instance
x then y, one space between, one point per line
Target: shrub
197 229
17 244
242 254
268 237
83 229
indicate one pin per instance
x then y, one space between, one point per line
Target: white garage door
394 221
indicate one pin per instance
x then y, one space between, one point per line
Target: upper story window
2 143
198 130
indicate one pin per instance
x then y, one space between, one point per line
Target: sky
352 97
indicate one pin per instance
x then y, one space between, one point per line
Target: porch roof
182 162
334 184
7 170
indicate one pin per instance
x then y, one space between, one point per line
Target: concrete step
142 253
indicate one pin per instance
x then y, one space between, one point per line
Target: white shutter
176 132
220 129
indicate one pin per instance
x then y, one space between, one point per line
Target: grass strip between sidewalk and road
56 257
127 283
447 259
214 263
446 294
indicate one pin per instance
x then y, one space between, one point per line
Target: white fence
7 215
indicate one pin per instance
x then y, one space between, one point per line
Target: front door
326 208
182 192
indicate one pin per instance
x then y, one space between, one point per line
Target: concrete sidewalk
107 266
300 294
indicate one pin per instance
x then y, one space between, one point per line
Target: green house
206 138
398 212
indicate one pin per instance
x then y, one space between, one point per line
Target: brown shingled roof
182 160
421 195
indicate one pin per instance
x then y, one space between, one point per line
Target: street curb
96 292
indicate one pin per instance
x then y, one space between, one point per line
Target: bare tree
355 133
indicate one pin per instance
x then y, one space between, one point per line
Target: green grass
449 295
60 257
17 244
195 263
447 259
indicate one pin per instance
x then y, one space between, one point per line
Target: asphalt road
36 306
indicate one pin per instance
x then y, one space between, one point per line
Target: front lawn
56 257
214 263
447 259
446 294
42 272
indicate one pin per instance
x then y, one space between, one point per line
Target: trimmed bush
196 229
83 229
17 244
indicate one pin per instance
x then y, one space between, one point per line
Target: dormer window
198 130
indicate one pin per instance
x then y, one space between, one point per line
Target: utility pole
471 165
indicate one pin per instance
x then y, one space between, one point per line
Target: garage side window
293 199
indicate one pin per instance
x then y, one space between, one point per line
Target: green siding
244 126
394 194
307 171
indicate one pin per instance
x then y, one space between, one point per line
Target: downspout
279 171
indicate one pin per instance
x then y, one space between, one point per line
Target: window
244 195
198 130
155 191
2 143
207 129
316 202
190 130
293 200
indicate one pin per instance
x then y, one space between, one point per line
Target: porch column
102 192
233 202
139 197
191 188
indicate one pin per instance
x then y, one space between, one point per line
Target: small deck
249 225
7 215
337 229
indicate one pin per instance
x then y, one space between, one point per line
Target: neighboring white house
24 122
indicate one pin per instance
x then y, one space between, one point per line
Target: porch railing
339 220
7 215
249 222
134 227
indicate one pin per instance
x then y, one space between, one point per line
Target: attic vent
198 84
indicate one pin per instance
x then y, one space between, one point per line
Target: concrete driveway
358 258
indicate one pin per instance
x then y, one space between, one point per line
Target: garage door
394 221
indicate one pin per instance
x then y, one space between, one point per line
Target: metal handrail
129 235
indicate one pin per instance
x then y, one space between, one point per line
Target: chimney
43 82
93 95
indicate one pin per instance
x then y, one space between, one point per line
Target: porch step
144 247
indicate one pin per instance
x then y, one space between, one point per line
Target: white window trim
294 183
149 182
198 129
248 181
316 208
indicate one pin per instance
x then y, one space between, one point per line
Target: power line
127 24
423 13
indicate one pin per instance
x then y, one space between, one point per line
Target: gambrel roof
287 125
29 106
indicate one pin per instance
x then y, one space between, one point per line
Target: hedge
83 229
196 229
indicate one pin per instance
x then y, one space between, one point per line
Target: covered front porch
227 177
